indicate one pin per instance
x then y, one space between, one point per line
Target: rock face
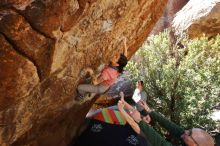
172 7
44 45
197 18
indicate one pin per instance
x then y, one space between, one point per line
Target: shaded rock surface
44 45
197 18
172 7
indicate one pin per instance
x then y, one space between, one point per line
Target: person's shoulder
107 68
110 70
144 92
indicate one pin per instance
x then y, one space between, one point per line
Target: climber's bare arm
126 105
97 80
128 118
125 51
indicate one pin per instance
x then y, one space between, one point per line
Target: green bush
181 83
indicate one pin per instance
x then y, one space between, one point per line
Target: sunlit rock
198 17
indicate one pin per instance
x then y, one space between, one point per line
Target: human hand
120 105
89 70
144 105
122 95
94 81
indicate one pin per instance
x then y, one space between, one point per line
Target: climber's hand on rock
89 70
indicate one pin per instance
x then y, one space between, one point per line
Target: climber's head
114 60
122 62
140 84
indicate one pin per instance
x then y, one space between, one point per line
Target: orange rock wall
44 45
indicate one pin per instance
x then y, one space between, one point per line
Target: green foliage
182 83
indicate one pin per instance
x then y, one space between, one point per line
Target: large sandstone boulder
198 17
44 45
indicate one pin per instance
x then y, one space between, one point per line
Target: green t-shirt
154 137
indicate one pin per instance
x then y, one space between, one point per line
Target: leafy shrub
181 83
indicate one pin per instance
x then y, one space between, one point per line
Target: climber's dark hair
142 83
122 61
144 113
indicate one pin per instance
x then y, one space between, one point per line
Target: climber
108 75
190 137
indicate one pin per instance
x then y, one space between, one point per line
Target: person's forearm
148 110
173 128
96 80
151 135
128 106
130 121
125 49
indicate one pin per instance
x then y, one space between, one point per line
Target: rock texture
172 7
197 18
44 45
